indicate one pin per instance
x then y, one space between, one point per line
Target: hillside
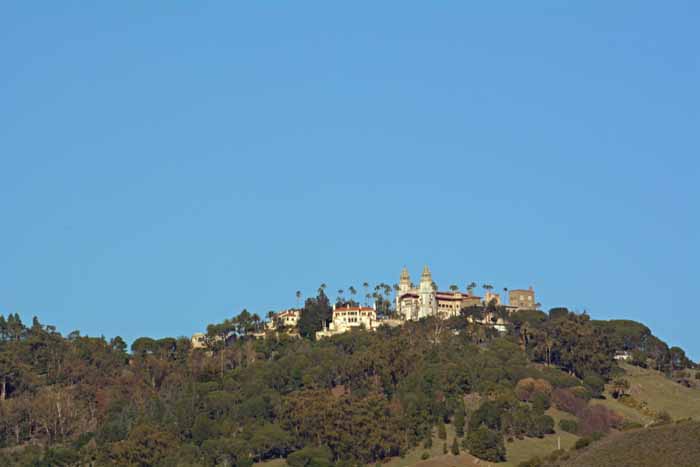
671 445
659 394
393 395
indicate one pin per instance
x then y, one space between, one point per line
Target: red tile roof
355 308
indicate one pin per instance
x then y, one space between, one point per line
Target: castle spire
426 276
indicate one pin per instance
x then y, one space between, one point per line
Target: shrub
662 418
566 400
598 418
542 425
310 456
559 379
627 425
488 414
582 443
540 402
556 454
528 387
570 426
534 462
620 387
428 443
595 384
697 375
442 433
425 455
444 448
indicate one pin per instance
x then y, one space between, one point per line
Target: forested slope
361 397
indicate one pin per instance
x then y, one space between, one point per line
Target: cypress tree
442 433
459 422
455 447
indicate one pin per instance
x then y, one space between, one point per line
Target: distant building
522 299
349 317
488 296
414 303
199 340
287 318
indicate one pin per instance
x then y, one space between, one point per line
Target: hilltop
398 395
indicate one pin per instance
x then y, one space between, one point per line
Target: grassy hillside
671 445
659 392
517 451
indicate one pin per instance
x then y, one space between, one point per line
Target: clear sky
164 165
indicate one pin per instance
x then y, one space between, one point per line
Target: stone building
522 299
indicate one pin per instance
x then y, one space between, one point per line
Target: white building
287 318
347 318
199 340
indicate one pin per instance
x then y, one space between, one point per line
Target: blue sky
164 165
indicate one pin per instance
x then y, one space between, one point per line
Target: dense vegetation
355 398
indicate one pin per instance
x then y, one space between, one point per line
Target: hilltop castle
411 304
414 303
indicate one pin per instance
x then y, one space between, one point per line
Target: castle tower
426 294
404 282
404 288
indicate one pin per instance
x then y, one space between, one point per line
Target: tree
620 387
454 288
558 313
459 421
311 457
486 444
595 384
144 346
298 295
314 316
353 292
455 447
442 432
146 445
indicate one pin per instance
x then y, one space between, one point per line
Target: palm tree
340 295
367 297
454 288
352 291
470 287
298 297
365 285
322 288
505 294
